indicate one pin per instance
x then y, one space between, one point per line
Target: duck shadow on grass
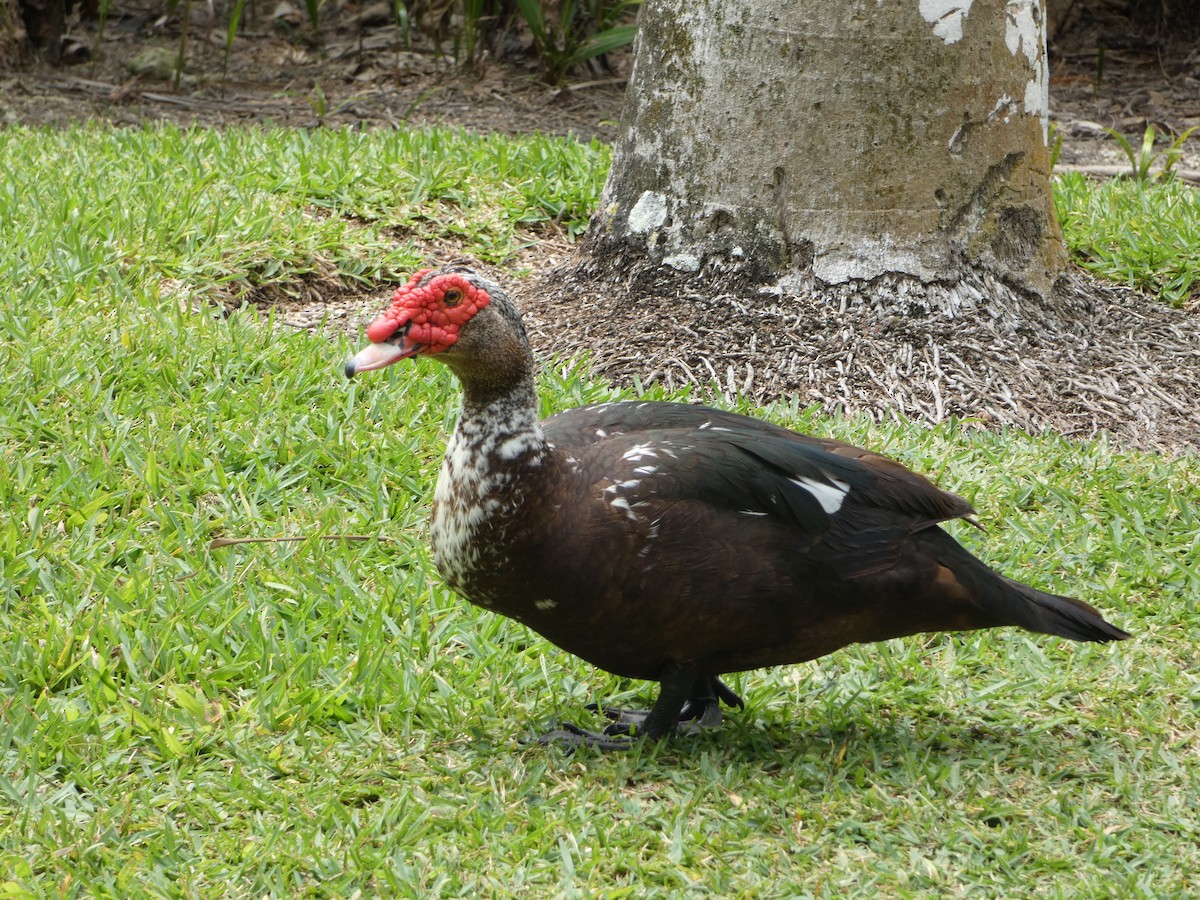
922 745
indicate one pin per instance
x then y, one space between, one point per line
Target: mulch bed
1105 359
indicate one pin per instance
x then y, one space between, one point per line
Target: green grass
323 717
1142 233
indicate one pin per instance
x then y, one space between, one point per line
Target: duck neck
499 423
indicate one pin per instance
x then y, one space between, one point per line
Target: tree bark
42 24
897 146
12 33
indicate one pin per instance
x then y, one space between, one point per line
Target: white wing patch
830 495
621 486
622 504
640 452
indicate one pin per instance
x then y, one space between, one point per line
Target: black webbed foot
571 736
627 727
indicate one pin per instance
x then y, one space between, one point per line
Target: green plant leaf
1146 157
235 18
1175 152
531 12
1126 147
607 41
313 7
1056 143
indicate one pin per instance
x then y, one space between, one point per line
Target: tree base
1092 357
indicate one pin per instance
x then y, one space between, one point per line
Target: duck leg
704 706
683 697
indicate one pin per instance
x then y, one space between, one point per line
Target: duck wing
846 507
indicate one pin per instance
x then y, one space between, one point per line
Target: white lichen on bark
1024 33
649 213
946 16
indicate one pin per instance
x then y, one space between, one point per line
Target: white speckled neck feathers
491 463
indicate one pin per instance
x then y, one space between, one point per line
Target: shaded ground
1123 364
359 72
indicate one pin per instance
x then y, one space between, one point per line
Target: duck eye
452 297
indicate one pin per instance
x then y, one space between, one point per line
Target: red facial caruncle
423 319
434 312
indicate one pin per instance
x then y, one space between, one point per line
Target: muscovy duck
676 543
